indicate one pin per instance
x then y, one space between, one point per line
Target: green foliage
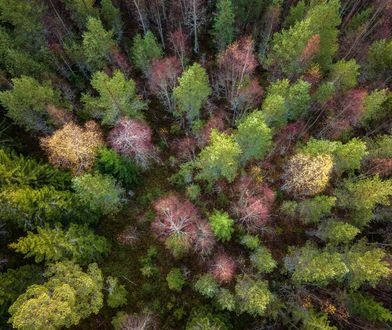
313 210
30 208
26 103
117 97
337 232
222 225
253 136
206 285
15 60
68 296
361 197
81 10
192 91
193 192
252 242
321 18
325 92
175 279
203 320
366 265
144 50
296 14
25 16
253 296
97 43
223 27
219 159
225 300
111 16
14 282
317 267
344 75
117 293
373 106
23 171
77 243
148 268
99 192
368 308
347 157
317 321
380 147
380 59
262 260
289 208
178 245
285 102
121 168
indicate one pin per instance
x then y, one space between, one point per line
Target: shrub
225 300
367 307
175 279
222 225
252 242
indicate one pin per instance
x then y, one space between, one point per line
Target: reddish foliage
311 49
179 217
347 112
203 238
174 217
287 136
215 122
380 166
119 60
179 42
254 203
133 138
223 268
248 97
185 148
162 77
59 116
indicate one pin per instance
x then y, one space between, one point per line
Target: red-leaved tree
131 137
253 205
180 45
162 78
236 65
178 219
223 268
312 47
185 148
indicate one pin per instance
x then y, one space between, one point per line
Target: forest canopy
196 165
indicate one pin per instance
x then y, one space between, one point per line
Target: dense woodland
195 164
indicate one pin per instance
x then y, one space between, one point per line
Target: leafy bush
206 285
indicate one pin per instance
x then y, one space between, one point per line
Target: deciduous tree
73 147
133 138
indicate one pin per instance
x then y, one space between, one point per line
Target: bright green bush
206 285
262 260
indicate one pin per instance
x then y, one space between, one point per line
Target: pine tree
192 92
111 16
222 225
117 98
144 50
100 193
96 44
27 102
78 244
117 293
81 11
223 28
